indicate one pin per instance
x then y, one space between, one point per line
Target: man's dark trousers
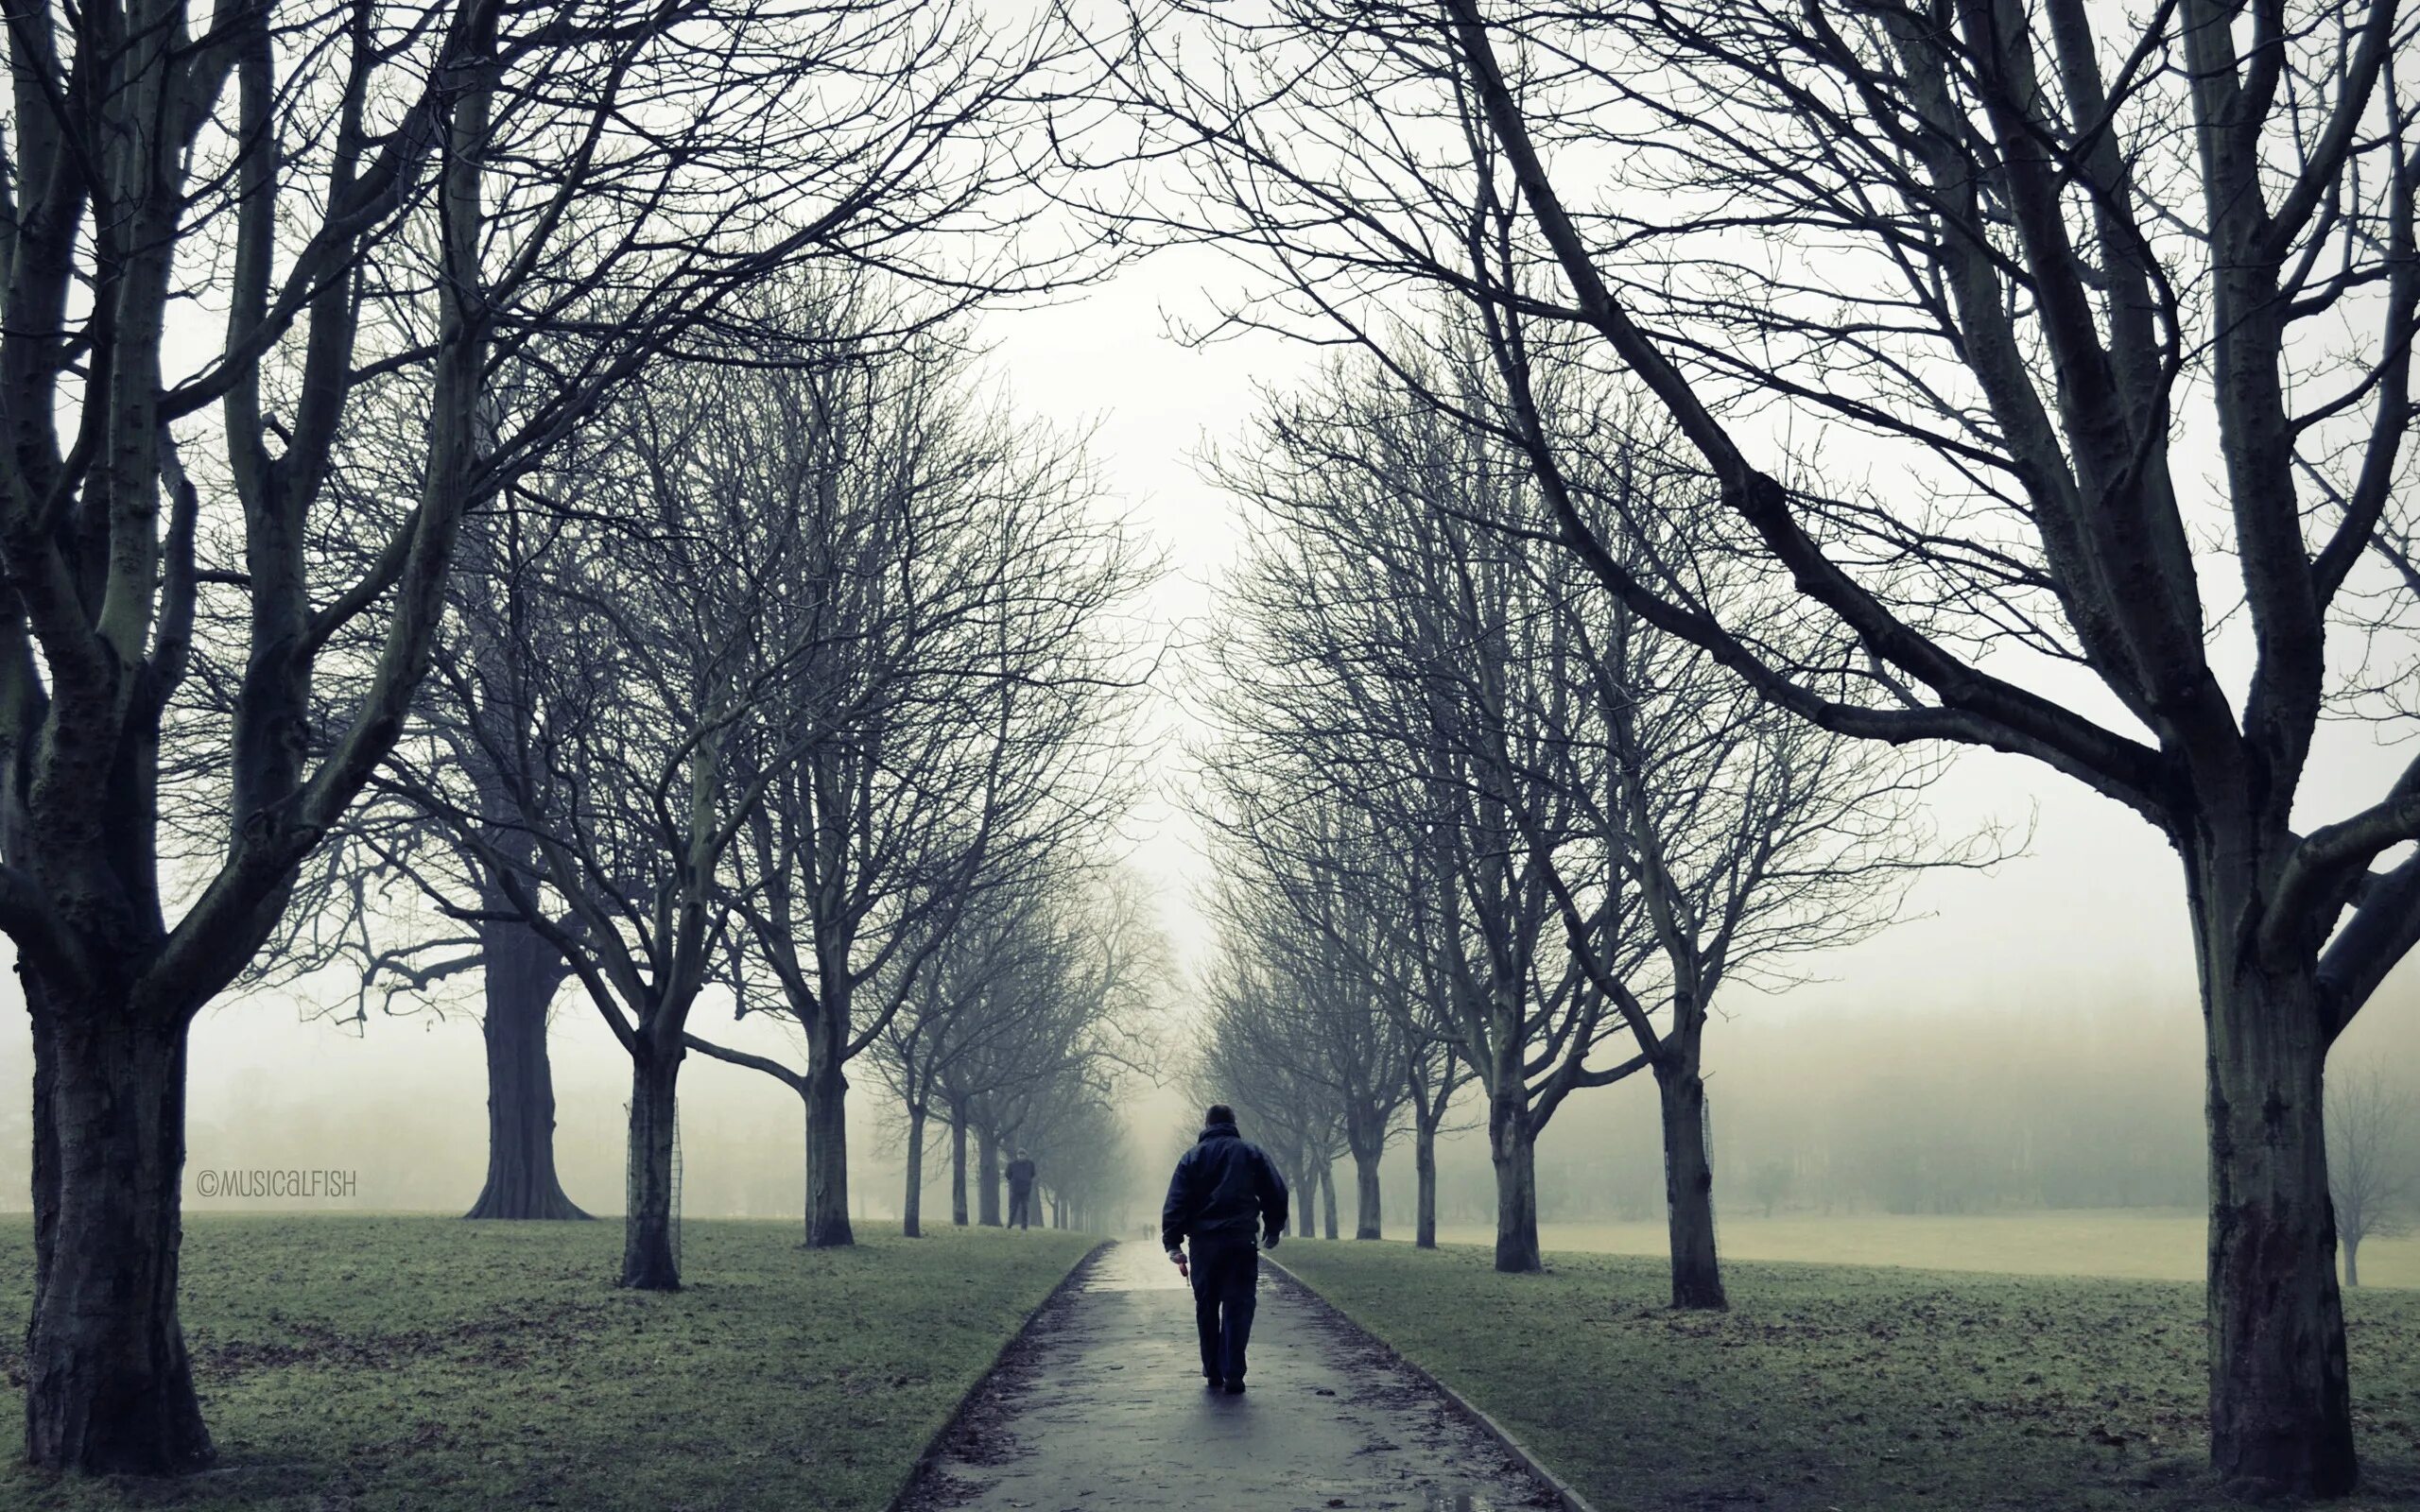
1226 1276
1020 1207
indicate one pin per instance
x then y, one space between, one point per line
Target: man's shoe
1236 1387
1212 1383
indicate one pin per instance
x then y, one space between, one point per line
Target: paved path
1101 1407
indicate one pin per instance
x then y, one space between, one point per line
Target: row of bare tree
1486 823
785 680
322 330
1016 1036
2053 361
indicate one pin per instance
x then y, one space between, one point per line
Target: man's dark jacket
1224 1188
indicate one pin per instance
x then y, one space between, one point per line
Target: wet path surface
1101 1406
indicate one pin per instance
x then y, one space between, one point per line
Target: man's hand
1176 1257
1269 1241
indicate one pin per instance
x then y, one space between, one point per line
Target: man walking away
1225 1193
1021 1192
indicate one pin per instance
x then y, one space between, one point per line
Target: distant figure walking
1021 1192
1224 1194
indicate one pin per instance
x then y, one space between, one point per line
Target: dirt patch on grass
502 1341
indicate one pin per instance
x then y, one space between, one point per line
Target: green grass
1851 1387
2143 1244
348 1363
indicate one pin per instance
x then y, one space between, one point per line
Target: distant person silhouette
1021 1192
1225 1193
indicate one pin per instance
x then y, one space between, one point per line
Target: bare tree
1931 293
2373 1159
961 1007
1748 836
1240 1063
364 195
1327 1013
967 731
392 917
1432 1073
1084 1157
1403 880
1413 666
1686 833
1067 1018
639 639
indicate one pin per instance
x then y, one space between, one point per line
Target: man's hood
1211 1131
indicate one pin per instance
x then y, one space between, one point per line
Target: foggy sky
2090 918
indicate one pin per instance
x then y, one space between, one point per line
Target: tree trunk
1511 1148
1306 1213
2280 1399
1327 1195
2352 1261
109 1387
1369 1220
957 1169
648 1261
911 1202
1424 1162
1688 1190
828 1145
987 1147
522 973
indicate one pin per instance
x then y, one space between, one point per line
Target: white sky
2095 904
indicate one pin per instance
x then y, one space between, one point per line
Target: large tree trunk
1423 1164
911 1202
2280 1400
1368 1142
109 1388
957 1169
648 1261
1306 1212
522 973
1327 1195
987 1146
827 1144
1369 1220
1689 1189
2351 1261
1512 1149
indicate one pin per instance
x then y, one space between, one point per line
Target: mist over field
1838 1103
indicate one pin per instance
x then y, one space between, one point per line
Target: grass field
2135 1243
350 1363
1848 1387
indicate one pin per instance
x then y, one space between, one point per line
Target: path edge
1572 1499
931 1454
